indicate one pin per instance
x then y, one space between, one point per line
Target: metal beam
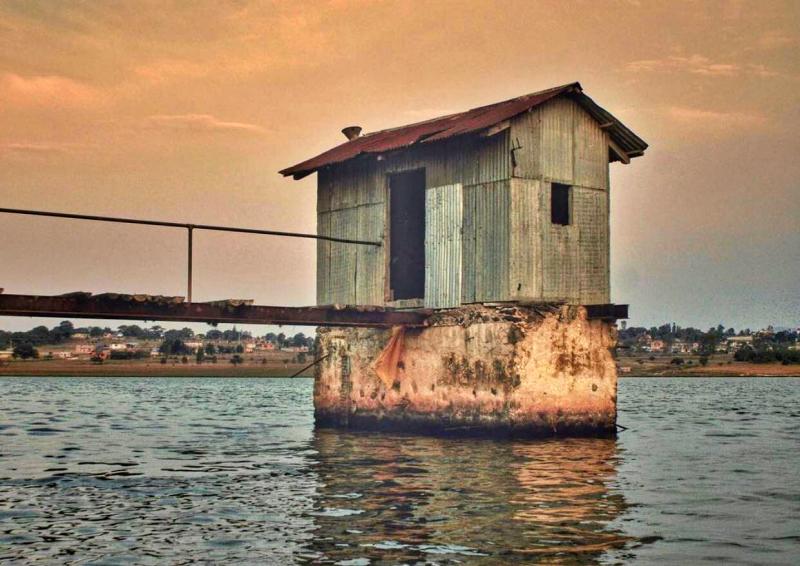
605 312
128 307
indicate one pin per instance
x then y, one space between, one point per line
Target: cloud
47 90
31 148
698 65
713 119
200 123
38 149
774 40
163 70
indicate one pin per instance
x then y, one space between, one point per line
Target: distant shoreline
134 368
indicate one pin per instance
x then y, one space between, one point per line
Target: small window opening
559 204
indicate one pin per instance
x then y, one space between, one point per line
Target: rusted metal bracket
142 307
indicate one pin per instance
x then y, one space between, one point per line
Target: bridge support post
190 230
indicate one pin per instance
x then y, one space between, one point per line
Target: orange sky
185 111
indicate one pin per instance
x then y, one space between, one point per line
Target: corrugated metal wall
443 223
509 249
352 203
591 215
486 242
560 142
525 246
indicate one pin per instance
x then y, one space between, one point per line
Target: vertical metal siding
558 139
355 194
370 259
526 139
509 249
591 151
323 259
525 251
468 264
591 215
559 254
443 223
344 257
486 242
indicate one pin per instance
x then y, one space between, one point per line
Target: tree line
767 346
25 343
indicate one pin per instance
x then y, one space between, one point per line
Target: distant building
683 347
63 355
6 354
80 335
658 346
736 342
84 349
643 342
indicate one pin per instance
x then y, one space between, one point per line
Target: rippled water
137 471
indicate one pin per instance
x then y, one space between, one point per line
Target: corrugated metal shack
507 202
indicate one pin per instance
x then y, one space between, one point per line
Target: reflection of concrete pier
405 498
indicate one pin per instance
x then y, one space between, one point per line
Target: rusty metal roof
474 120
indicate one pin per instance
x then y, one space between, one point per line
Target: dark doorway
407 234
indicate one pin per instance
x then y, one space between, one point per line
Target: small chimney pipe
351 132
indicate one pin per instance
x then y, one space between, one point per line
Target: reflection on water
153 471
412 498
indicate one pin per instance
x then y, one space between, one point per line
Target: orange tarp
386 366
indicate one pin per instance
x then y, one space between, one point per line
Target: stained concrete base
518 371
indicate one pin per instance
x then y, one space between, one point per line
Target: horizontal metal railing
190 229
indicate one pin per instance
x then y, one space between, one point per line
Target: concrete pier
520 371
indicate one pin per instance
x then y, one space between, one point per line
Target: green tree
25 351
236 359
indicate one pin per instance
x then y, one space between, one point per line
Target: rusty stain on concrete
510 370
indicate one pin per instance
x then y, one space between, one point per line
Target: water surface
154 470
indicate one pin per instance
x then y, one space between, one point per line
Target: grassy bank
721 365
